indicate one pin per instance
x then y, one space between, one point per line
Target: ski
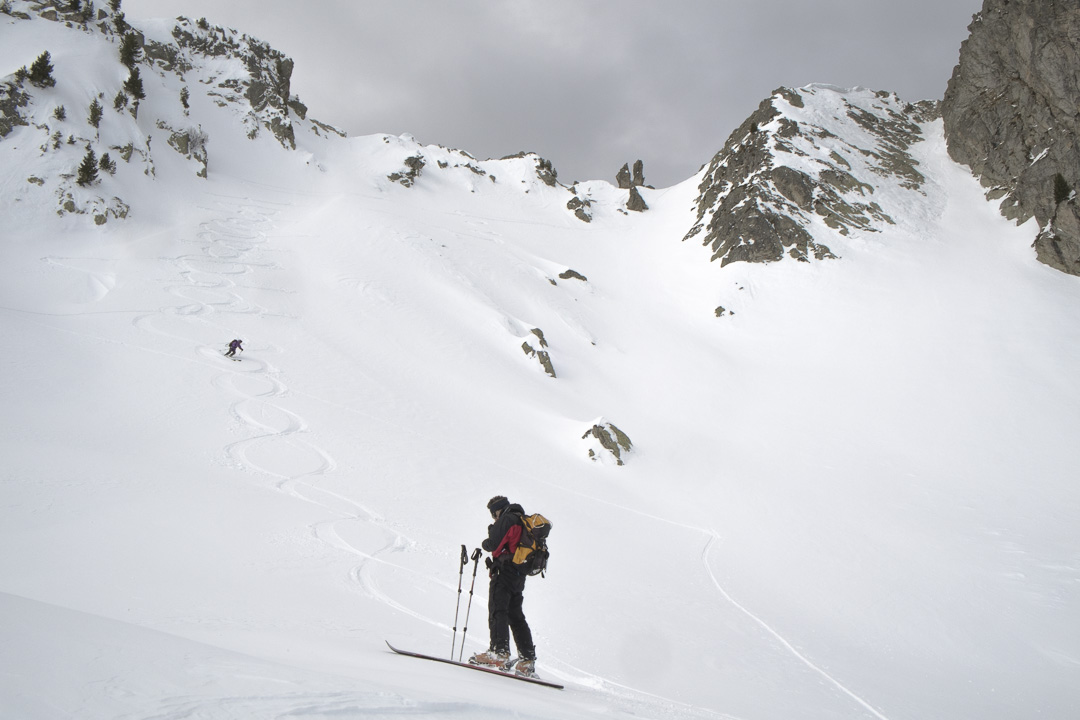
481 668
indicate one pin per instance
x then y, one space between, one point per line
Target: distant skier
233 347
505 593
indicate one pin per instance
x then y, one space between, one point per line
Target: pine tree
130 50
133 85
106 164
184 97
41 71
120 101
88 170
95 113
120 24
115 6
59 112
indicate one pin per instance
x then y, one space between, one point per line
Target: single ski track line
714 537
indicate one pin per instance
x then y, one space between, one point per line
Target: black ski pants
505 596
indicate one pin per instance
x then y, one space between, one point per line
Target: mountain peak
805 159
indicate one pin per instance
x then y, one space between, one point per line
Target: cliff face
265 87
1011 114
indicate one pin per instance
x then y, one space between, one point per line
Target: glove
488 563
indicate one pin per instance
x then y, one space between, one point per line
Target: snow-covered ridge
206 89
176 78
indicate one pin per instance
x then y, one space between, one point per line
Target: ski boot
495 659
525 667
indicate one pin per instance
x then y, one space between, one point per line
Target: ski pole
468 608
457 608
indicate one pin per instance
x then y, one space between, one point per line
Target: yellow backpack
531 556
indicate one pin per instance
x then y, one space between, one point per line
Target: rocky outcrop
604 439
806 157
542 356
413 167
625 180
635 202
263 84
632 181
12 99
91 206
1010 114
265 90
191 143
580 208
580 205
546 172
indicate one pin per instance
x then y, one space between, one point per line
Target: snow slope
853 498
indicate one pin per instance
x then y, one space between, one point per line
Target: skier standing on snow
505 592
233 347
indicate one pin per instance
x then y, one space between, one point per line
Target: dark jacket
504 535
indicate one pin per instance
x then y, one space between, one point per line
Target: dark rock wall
1012 114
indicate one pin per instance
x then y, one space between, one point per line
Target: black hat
496 504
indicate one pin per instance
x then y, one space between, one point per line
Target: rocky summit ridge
805 159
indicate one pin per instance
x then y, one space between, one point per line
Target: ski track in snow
567 672
277 446
714 537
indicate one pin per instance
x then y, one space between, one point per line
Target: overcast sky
587 84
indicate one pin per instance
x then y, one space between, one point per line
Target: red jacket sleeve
509 541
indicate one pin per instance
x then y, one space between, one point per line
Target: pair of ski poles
468 609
